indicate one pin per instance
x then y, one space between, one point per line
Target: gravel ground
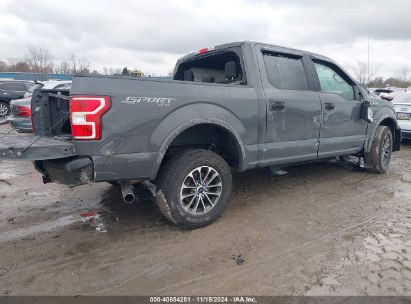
321 229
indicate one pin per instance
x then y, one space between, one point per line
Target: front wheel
379 157
193 188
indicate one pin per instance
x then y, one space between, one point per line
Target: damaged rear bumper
54 157
72 171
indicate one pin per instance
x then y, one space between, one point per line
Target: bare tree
12 61
3 66
111 71
22 66
64 68
17 65
361 73
402 74
377 82
79 65
38 58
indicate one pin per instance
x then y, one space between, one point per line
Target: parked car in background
389 93
369 91
20 117
56 85
402 105
14 89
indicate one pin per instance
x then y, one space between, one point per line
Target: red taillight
22 111
85 116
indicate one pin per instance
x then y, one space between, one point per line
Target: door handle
329 106
277 106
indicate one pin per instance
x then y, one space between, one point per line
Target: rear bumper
58 160
72 171
76 170
406 134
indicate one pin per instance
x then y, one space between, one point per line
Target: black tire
4 106
378 158
199 163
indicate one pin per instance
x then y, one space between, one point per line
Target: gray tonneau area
32 147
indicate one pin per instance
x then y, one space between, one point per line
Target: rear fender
176 122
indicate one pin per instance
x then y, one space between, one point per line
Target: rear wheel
193 188
4 109
379 157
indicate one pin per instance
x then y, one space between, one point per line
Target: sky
152 35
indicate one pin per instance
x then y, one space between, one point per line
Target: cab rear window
224 67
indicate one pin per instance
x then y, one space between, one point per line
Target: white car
56 84
402 105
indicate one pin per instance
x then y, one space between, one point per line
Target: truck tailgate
34 147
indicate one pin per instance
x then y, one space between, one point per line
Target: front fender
190 115
379 116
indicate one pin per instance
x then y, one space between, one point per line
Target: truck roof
253 43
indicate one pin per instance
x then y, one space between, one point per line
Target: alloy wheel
201 190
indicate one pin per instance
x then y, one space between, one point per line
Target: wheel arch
389 121
197 122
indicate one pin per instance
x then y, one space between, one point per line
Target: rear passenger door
293 108
343 131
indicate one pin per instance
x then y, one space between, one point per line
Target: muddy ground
321 229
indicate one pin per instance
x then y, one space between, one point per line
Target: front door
293 108
342 129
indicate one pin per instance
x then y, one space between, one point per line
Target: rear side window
285 71
6 86
14 86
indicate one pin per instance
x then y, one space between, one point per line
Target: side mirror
361 94
366 111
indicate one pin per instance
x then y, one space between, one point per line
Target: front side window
285 71
332 82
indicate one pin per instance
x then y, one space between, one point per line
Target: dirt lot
321 229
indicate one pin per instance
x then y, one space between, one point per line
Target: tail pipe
128 193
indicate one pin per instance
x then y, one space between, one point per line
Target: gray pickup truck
235 106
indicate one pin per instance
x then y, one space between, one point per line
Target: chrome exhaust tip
127 192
